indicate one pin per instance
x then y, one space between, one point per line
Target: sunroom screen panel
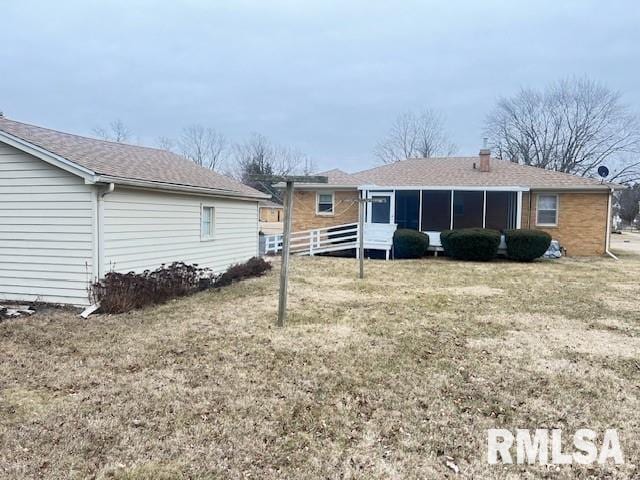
436 210
467 209
501 210
407 208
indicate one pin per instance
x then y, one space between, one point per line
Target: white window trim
333 204
538 224
203 237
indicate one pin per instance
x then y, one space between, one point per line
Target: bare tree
203 146
258 156
117 131
415 136
573 126
166 143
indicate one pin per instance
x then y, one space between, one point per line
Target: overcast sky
324 77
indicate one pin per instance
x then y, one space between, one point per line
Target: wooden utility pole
286 241
361 204
288 181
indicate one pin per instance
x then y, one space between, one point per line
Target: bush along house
436 194
74 208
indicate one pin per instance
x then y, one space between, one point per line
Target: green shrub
444 239
409 243
526 245
471 243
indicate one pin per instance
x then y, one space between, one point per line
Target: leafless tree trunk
573 126
415 136
117 131
203 146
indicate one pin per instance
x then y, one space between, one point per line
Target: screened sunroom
434 209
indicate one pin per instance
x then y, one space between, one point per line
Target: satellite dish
603 171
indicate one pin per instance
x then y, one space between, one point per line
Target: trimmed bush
409 243
526 245
479 244
254 267
444 239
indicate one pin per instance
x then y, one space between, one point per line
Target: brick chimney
485 160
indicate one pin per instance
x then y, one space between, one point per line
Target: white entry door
382 211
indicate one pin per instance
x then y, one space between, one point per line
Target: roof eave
180 188
569 188
47 156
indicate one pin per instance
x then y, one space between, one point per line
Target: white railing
334 238
319 240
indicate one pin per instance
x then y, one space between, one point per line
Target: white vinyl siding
144 229
46 231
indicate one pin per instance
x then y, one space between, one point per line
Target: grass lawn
381 378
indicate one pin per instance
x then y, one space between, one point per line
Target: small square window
547 210
325 203
206 228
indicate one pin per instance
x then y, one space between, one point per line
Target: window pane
325 198
547 217
407 208
207 221
467 209
380 212
547 202
436 210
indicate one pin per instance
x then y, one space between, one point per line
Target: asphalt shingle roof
339 177
459 171
122 160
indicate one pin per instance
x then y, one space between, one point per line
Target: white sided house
74 208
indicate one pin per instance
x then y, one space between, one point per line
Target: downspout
607 238
100 240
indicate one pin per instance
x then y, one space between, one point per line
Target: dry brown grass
380 378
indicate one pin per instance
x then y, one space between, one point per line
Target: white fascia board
163 187
597 188
488 188
49 157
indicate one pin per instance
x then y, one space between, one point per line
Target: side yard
381 378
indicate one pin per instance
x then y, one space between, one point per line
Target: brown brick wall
304 210
268 214
582 221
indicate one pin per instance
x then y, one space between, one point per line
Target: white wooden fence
334 238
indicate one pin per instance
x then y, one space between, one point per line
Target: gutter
100 240
607 238
181 188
